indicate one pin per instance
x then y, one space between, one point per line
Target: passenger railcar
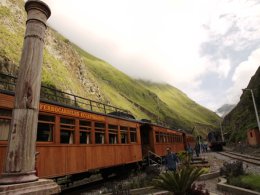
76 141
71 141
156 138
189 140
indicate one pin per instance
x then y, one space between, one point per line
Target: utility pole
256 113
221 131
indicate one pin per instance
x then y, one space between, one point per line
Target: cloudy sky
209 49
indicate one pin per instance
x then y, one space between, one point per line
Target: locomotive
215 141
75 138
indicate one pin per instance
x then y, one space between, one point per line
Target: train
77 136
215 141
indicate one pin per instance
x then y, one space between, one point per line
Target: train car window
161 137
112 133
45 128
157 135
5 122
67 130
133 135
179 138
123 133
100 133
164 138
85 131
174 138
171 138
167 137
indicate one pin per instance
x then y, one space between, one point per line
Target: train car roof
149 122
118 115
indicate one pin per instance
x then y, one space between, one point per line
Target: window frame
86 129
53 123
100 130
66 127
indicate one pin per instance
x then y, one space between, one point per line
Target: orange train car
157 139
76 141
189 140
71 141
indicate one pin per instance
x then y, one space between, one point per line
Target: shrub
232 169
178 182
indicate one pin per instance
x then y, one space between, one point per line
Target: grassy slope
114 84
141 98
188 110
11 38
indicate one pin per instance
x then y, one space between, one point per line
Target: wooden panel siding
6 101
165 141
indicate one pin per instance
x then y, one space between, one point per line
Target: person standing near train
171 160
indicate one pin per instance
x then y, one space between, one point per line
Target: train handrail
150 154
8 82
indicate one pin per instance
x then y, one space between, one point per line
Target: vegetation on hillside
243 116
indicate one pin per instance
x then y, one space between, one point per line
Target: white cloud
242 75
223 67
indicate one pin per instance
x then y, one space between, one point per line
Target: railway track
243 157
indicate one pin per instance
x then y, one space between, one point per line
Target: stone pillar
20 158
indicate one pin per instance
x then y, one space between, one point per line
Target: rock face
68 68
242 117
64 53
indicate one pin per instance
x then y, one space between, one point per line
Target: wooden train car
189 140
157 139
71 141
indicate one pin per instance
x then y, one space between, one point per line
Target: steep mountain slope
183 108
243 116
69 68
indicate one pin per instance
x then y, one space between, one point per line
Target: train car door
146 135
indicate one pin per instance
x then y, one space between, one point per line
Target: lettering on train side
69 112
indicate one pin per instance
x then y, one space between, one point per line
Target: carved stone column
20 158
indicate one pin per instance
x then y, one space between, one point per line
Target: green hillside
242 117
69 68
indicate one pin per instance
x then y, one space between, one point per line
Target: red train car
189 140
71 141
157 139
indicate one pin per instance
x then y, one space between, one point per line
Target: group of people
172 160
